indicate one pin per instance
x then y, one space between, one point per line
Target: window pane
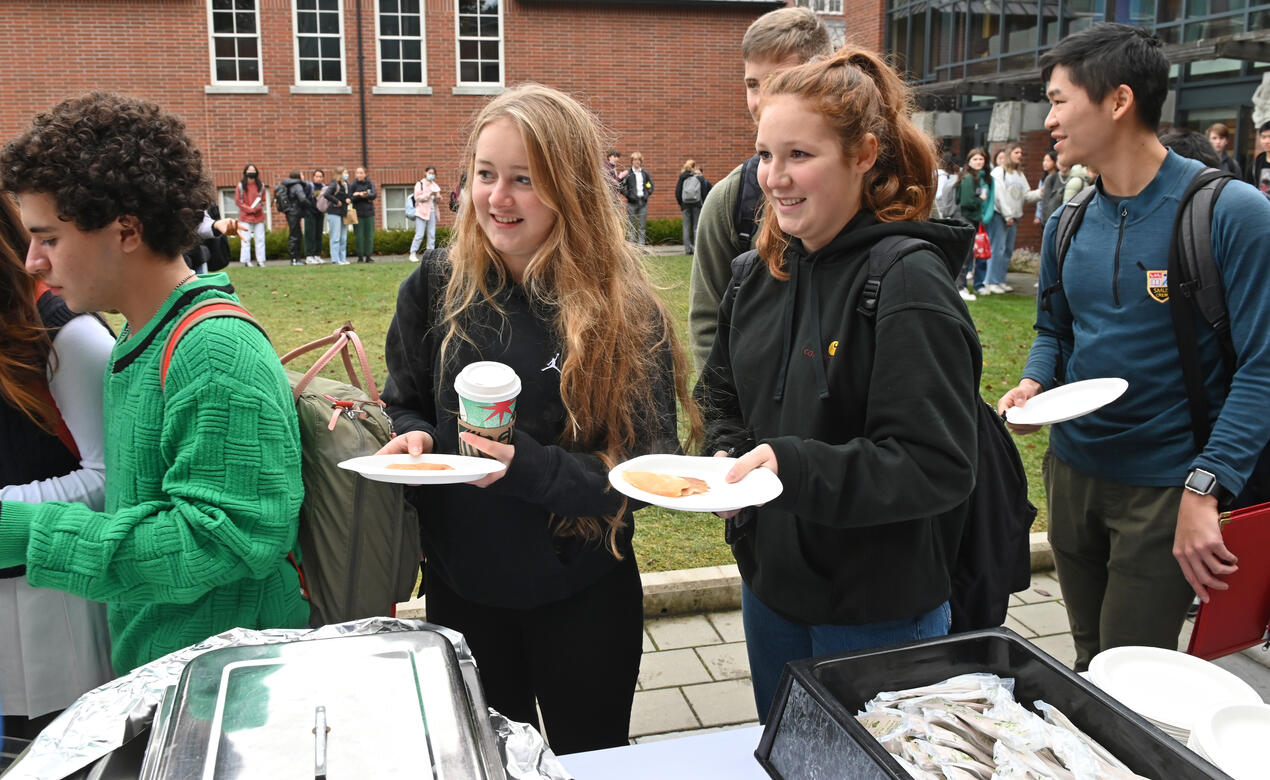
330 48
917 46
246 22
329 24
329 5
410 6
469 25
468 50
309 70
306 5
306 24
331 70
222 23
1169 11
410 50
489 6
469 71
468 6
391 50
410 25
1141 13
489 50
412 73
388 6
249 70
224 47
489 73
899 40
985 34
392 71
308 47
489 26
1082 13
388 25
225 71
247 48
1021 28
222 5
1049 23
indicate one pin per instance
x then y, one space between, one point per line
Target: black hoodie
872 424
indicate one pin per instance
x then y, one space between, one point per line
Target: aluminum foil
109 716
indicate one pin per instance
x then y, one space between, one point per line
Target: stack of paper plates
1172 690
1234 738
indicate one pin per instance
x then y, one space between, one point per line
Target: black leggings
578 657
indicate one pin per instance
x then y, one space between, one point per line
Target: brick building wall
666 79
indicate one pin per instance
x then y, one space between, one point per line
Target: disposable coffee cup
487 403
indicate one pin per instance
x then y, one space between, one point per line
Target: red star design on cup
499 408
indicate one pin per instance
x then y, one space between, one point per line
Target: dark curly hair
102 156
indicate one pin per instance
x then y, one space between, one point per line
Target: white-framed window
228 206
822 6
399 31
233 31
394 202
480 42
319 42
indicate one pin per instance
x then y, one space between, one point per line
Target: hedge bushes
387 242
397 242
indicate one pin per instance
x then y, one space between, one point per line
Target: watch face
1201 481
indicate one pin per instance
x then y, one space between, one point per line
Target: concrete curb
713 588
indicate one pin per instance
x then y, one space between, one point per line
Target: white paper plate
1235 738
1169 688
1067 402
758 487
465 469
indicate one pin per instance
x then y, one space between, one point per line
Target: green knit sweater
203 492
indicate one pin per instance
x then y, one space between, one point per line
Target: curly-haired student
203 484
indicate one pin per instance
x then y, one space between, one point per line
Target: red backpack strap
204 309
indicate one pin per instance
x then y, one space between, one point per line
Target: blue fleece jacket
1108 324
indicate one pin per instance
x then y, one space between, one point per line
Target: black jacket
495 545
299 194
365 206
679 188
628 190
336 194
872 423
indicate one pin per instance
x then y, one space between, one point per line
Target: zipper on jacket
1115 274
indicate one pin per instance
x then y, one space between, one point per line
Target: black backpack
748 198
1194 286
994 554
282 198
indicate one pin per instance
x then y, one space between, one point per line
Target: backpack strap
745 212
1194 281
1069 220
203 310
742 266
882 256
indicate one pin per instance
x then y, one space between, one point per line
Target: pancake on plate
425 466
667 485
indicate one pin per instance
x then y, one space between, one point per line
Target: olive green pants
364 237
1113 548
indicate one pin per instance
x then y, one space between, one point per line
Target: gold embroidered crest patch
1158 285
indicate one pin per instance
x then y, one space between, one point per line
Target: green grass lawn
297 305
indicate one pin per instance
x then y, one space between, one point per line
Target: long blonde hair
858 93
612 326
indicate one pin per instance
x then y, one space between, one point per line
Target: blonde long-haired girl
534 564
869 421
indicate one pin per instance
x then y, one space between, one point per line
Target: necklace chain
192 274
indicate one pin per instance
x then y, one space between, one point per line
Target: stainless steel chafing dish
382 706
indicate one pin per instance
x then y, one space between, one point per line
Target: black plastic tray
812 732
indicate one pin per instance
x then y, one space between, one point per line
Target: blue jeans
425 226
1002 236
339 238
772 641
